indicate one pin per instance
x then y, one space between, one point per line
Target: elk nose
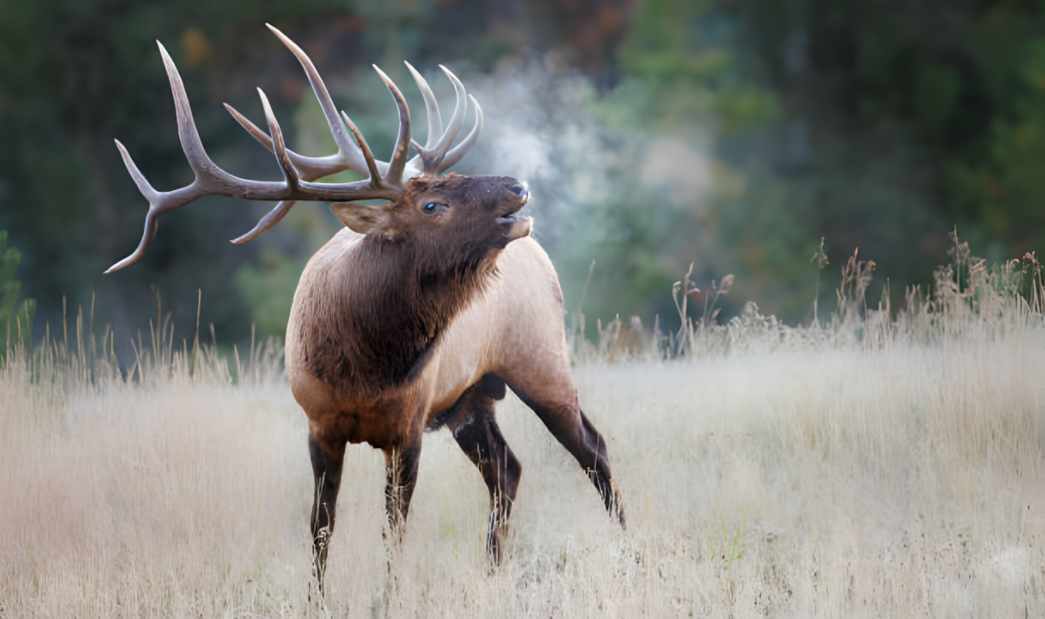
520 190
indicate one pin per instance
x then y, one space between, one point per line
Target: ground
823 480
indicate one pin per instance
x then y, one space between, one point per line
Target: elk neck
389 311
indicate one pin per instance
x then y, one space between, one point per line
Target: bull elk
416 317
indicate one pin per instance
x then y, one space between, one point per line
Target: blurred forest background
729 133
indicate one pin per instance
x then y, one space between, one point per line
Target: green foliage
692 108
15 312
10 287
268 287
1003 186
741 133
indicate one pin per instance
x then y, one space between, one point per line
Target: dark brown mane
388 314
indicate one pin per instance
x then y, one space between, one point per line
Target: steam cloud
544 125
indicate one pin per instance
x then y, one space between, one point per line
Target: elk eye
432 207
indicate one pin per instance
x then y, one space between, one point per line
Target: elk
416 316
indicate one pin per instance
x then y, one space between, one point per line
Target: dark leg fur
569 425
326 471
400 478
480 438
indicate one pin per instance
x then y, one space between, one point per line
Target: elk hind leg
475 429
556 404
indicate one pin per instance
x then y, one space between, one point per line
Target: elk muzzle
516 226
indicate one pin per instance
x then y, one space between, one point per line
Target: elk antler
384 180
348 157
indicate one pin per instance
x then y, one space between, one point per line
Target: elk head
477 212
461 219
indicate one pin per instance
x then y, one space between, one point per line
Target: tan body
506 331
513 329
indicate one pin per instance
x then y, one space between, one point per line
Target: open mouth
512 219
517 226
512 214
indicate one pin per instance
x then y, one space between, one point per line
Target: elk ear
363 218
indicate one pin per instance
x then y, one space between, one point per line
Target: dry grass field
874 467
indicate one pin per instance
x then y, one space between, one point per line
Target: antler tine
460 109
191 145
348 156
159 203
435 128
279 145
266 223
326 103
432 156
368 154
459 151
290 172
396 164
203 168
311 168
152 196
432 112
143 184
148 234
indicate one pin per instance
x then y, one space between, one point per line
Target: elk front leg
481 440
400 478
327 458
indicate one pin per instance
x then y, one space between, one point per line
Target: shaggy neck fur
378 327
